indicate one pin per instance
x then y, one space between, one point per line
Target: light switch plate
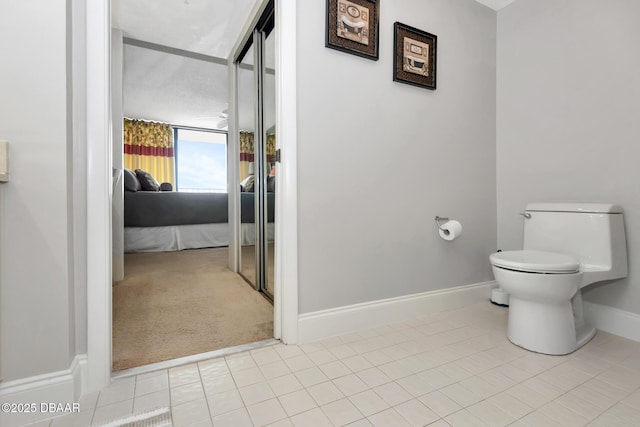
4 161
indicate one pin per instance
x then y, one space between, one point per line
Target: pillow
166 186
131 182
147 181
247 184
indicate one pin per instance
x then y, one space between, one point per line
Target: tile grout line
204 393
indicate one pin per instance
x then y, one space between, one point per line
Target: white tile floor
454 368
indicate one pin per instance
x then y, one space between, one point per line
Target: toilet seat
536 262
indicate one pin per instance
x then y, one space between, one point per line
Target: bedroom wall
378 160
568 108
38 328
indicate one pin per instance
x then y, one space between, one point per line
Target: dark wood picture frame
415 54
353 27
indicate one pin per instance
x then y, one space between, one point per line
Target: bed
161 221
158 219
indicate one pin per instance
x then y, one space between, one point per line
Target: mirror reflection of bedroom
174 294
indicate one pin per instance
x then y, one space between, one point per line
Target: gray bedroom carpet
175 304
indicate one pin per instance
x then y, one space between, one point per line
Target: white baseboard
56 387
613 320
337 321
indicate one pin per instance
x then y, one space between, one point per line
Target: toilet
566 247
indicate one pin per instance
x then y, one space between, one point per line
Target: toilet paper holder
438 219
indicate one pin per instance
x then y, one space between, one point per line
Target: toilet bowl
567 246
541 286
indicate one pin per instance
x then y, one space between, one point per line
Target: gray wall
117 125
38 327
378 160
78 66
569 117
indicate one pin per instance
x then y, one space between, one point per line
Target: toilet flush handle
527 215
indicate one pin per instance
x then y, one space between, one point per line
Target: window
201 161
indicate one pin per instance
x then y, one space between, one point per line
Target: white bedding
179 237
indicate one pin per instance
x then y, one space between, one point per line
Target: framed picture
414 53
352 27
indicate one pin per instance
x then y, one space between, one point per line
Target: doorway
96 34
175 302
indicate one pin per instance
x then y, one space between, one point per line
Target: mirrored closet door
257 136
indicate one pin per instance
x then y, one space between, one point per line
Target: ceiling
496 4
183 90
179 89
171 88
210 27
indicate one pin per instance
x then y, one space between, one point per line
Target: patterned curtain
149 146
271 148
247 151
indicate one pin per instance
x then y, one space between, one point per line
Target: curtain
271 148
247 151
149 146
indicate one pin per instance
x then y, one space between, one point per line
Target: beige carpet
176 304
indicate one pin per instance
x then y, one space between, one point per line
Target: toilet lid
535 261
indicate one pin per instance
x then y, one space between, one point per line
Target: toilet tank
592 232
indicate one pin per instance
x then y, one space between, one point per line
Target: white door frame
99 193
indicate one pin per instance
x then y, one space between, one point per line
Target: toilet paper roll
450 230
